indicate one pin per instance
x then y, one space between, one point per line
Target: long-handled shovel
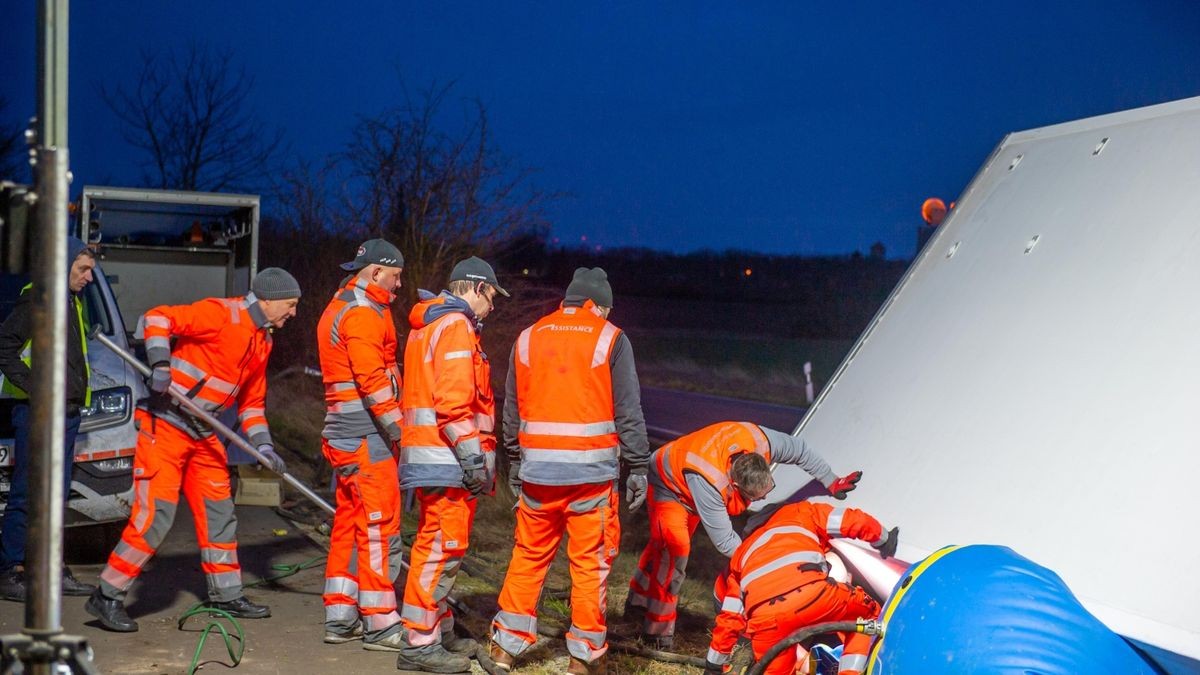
179 394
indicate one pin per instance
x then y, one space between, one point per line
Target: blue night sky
778 127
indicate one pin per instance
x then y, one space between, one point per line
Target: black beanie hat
591 284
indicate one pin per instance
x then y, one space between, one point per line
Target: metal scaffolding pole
42 647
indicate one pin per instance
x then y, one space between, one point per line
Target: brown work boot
503 660
578 666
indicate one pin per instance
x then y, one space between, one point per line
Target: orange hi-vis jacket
356 340
568 434
449 409
709 453
785 554
220 358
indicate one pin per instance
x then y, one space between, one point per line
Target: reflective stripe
381 396
390 417
339 386
523 346
377 622
341 586
798 558
732 604
341 612
419 615
233 310
607 335
486 423
218 556
718 478
517 622
717 657
852 663
584 430
229 579
346 406
131 555
255 429
377 599
469 446
458 429
461 354
661 607
580 644
763 538
424 454
157 342
157 321
116 578
833 526
511 644
420 417
196 373
883 537
569 456
447 321
375 552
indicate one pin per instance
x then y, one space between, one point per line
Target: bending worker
708 476
447 456
220 358
572 407
356 338
777 583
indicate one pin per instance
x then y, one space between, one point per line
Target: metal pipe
48 360
180 394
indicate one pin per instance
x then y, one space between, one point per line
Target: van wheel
91 544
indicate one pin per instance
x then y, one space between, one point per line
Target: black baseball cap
375 252
475 269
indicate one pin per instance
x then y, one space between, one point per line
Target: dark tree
187 112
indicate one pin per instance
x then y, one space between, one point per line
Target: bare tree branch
187 114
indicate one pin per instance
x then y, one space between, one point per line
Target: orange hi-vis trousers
166 461
809 605
364 546
443 534
587 514
660 571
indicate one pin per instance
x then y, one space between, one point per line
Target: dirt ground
290 641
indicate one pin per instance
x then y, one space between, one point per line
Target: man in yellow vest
15 343
572 411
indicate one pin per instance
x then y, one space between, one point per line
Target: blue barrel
984 609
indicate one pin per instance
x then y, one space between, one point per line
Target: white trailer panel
1033 380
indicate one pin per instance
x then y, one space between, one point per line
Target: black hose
799 636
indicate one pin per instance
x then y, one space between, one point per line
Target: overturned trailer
1033 381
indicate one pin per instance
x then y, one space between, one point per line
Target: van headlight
109 408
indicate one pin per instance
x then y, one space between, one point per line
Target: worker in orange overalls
219 357
706 477
447 455
356 337
777 583
572 409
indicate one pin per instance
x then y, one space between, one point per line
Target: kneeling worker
777 583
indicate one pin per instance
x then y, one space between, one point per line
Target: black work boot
432 659
241 607
632 612
74 587
111 613
458 645
12 584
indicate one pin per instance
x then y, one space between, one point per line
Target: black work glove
514 478
845 484
887 547
711 668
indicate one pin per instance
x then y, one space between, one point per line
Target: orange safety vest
449 408
709 453
356 340
568 435
220 358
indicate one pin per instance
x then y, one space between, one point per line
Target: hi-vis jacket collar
256 311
